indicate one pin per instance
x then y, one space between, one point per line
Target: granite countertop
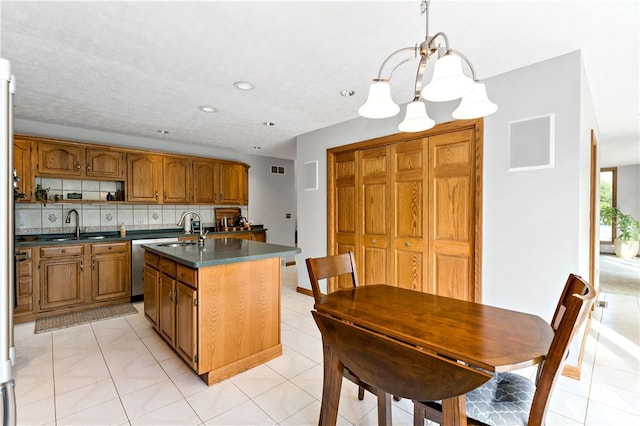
97 237
220 251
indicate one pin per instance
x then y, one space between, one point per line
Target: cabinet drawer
65 250
25 269
151 259
188 276
109 247
168 267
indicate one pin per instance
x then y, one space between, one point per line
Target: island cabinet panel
239 316
221 319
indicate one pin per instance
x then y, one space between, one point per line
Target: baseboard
290 263
304 291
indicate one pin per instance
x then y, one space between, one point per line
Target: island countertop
219 251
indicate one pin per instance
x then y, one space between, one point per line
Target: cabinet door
205 181
259 236
167 316
176 172
231 183
24 281
22 164
105 164
144 181
375 215
151 295
186 324
408 247
110 274
59 159
61 282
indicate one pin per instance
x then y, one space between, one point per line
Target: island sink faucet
201 236
68 220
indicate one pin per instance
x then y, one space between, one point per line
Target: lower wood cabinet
56 279
221 319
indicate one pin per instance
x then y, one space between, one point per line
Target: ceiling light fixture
205 108
347 93
269 123
243 85
448 83
163 131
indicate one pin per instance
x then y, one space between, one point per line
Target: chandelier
448 83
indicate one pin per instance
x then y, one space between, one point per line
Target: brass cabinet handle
81 266
373 241
78 165
406 244
88 167
93 264
165 196
156 195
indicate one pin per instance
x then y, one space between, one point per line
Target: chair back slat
571 311
320 268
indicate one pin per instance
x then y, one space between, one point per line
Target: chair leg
360 393
384 408
419 413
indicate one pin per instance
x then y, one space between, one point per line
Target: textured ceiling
136 67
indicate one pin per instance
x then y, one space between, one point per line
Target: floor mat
83 317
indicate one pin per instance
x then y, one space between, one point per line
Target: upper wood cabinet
410 207
105 164
231 188
205 180
22 163
176 178
59 159
144 177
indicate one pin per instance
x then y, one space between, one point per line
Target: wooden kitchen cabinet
144 177
22 163
24 281
232 179
105 164
62 278
410 207
167 310
186 337
176 177
110 271
151 288
58 159
205 181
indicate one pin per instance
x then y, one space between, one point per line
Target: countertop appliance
137 265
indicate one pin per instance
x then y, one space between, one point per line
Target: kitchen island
218 304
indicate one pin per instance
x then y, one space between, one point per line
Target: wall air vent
277 170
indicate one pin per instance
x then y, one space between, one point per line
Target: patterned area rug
83 317
620 276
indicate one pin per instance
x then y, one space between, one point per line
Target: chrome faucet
68 220
202 235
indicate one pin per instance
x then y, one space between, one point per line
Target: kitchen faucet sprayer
68 220
201 236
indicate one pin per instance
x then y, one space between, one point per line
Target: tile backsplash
101 216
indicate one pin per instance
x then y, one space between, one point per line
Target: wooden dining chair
511 399
344 264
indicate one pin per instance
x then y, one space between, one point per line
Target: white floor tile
177 413
257 380
149 399
248 414
85 397
216 400
283 401
108 413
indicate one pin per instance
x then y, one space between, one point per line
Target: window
608 177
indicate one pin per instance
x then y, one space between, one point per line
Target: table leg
332 382
384 408
454 411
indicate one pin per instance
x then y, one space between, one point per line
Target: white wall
532 219
270 196
628 188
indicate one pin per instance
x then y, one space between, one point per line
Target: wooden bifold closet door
410 207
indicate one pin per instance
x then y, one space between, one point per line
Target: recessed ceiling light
269 123
257 147
205 108
163 131
243 85
347 92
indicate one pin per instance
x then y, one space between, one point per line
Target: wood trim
304 291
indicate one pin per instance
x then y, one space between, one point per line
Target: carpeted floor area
619 276
83 317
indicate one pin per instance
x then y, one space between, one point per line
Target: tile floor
120 372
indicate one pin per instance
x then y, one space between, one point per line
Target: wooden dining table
421 346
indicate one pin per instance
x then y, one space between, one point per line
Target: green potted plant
627 243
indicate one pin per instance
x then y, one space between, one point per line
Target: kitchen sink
178 244
97 237
63 239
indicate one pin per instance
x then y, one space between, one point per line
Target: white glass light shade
416 118
379 103
476 104
448 82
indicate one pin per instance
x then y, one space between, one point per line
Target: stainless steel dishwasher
137 265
